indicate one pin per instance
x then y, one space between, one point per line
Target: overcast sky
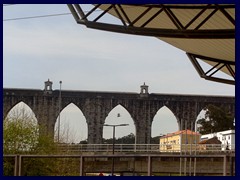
57 48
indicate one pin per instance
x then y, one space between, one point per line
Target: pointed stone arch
14 104
21 110
203 108
73 125
201 115
113 119
164 122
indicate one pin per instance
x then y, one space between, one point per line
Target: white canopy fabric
201 30
223 49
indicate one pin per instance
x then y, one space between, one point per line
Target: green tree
21 136
128 139
155 140
216 119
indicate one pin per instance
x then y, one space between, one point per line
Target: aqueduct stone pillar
95 113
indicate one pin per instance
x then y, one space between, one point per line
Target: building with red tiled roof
210 144
183 140
227 138
213 140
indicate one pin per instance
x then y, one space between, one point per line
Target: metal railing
19 163
154 148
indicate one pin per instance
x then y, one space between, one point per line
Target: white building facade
226 137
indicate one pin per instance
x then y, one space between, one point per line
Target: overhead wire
43 16
32 17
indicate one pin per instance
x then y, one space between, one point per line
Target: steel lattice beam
209 74
179 32
195 27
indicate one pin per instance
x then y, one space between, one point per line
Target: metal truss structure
176 24
209 74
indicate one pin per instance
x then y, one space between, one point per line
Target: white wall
226 137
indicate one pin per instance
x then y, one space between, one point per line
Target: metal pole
19 165
231 165
134 166
195 159
59 111
186 147
190 161
81 165
113 144
149 166
167 143
135 143
225 165
113 150
16 165
180 173
113 139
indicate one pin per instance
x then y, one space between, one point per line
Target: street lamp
114 126
59 110
195 159
135 140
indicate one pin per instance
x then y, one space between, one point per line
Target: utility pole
59 110
113 144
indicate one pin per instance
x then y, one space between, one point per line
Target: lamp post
181 138
114 126
167 144
160 142
195 159
135 141
59 111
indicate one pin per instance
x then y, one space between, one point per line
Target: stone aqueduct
96 106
